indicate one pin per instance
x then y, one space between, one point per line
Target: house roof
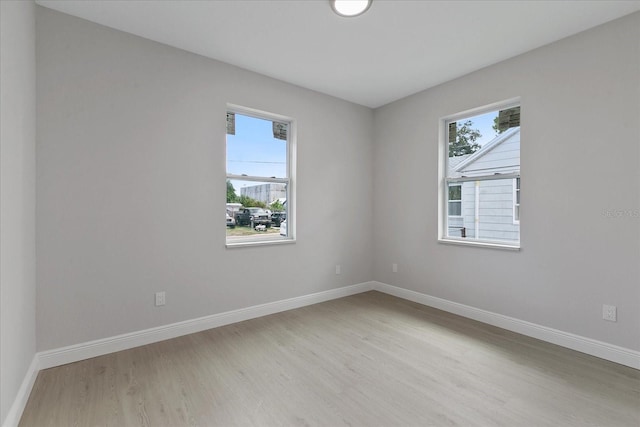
455 161
468 159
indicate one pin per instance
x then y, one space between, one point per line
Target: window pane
455 195
455 208
486 212
257 147
455 192
258 181
480 148
468 135
258 210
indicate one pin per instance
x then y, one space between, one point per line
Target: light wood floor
365 360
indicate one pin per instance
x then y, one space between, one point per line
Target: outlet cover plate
160 298
609 312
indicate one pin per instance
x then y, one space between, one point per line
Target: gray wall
131 183
17 197
580 160
131 172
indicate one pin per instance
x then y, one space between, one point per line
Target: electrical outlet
160 298
394 268
338 270
609 312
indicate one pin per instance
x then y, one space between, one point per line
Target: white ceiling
395 49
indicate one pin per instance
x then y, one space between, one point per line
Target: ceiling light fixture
350 8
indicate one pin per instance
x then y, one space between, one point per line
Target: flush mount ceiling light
350 8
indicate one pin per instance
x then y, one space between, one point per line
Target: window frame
289 180
516 200
444 181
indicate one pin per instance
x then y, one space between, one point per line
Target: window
480 176
260 185
455 200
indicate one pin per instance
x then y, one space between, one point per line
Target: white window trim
516 190
443 181
290 180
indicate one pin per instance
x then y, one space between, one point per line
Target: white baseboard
589 346
74 353
15 412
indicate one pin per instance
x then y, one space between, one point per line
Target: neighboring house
487 209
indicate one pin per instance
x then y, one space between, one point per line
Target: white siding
495 206
456 223
495 210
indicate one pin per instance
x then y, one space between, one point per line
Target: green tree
277 206
248 202
466 138
232 197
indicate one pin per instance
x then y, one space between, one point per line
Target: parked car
231 223
253 217
278 217
283 228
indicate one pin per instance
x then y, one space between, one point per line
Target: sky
254 151
484 123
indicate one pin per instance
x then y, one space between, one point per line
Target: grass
245 230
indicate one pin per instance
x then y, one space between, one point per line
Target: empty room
432 213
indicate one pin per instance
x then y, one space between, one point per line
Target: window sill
480 244
254 243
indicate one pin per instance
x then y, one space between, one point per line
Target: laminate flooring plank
365 360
